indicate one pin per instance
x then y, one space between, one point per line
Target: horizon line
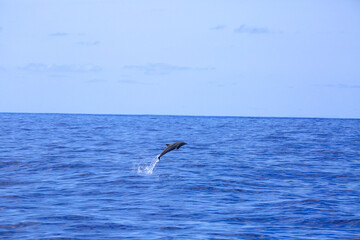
180 115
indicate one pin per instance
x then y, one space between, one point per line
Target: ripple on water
77 177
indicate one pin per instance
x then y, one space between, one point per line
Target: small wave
147 168
19 225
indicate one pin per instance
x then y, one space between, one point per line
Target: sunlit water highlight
96 177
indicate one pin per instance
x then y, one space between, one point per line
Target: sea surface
65 176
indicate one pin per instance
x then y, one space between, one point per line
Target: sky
274 58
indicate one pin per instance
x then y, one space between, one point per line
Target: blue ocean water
68 176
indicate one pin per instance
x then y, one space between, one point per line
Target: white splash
148 169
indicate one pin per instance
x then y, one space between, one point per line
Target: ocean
73 176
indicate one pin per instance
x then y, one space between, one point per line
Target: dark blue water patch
76 177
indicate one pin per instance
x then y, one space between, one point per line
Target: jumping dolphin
170 147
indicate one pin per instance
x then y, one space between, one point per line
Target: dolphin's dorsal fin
168 145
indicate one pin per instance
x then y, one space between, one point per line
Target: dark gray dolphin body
170 147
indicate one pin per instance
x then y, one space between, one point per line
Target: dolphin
170 147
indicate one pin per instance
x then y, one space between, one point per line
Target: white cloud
162 68
89 43
59 34
39 67
251 30
340 85
218 27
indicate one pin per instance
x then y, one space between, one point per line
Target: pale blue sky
226 57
